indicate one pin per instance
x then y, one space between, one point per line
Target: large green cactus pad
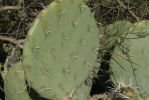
131 62
60 50
15 87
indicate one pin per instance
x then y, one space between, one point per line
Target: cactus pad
15 87
112 33
60 50
131 58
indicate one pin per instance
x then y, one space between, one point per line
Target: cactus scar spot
75 58
52 52
66 70
95 50
89 29
82 42
74 23
44 71
87 64
70 95
82 6
63 36
35 50
20 74
43 88
47 32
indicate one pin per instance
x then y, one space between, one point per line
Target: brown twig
126 8
9 7
13 41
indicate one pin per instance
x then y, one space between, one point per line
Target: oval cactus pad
60 49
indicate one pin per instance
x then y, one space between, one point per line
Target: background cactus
15 86
109 35
132 58
60 50
112 33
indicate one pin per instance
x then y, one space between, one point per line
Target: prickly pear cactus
130 60
112 33
60 50
15 87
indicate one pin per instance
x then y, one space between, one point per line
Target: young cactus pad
15 87
60 49
132 57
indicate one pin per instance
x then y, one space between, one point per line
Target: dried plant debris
17 16
109 11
